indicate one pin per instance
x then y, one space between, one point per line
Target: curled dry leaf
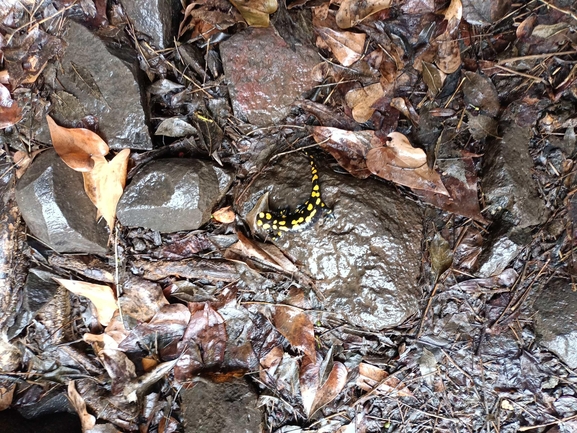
347 47
349 148
102 297
87 421
10 112
6 394
22 160
105 184
225 215
361 101
256 12
352 12
404 164
297 328
334 384
453 15
76 146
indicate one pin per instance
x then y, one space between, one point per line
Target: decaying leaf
102 297
433 78
441 255
295 325
256 12
347 47
225 215
352 12
208 18
76 146
6 395
22 160
86 420
329 390
404 164
105 183
362 101
10 112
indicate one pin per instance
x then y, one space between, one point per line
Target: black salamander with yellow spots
278 223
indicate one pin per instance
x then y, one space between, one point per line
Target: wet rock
265 76
159 19
507 182
220 407
502 251
111 94
485 12
366 259
56 209
556 320
173 194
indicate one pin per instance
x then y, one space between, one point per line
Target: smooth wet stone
111 94
556 320
170 195
56 209
158 19
265 76
507 183
500 254
220 407
366 259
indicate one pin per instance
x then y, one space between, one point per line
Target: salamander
277 223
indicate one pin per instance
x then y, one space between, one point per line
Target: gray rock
220 407
158 19
366 259
556 320
98 83
173 194
56 209
502 251
507 182
265 76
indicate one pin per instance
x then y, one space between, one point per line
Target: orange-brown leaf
256 12
86 420
105 184
10 112
361 101
76 146
225 215
297 328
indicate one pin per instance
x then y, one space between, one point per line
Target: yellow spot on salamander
274 227
282 223
318 201
310 207
316 188
294 223
300 220
315 177
311 216
268 216
266 226
296 227
315 194
259 223
261 215
284 229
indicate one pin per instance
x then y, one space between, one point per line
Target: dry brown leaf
372 378
433 78
225 215
266 253
297 328
105 184
361 101
10 112
6 395
352 12
22 160
256 12
448 54
87 421
102 297
76 146
404 164
453 15
347 47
